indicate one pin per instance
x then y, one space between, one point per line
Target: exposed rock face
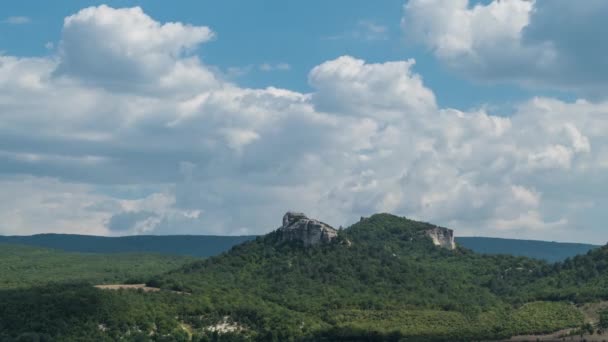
442 237
298 227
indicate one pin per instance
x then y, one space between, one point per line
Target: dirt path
136 287
128 287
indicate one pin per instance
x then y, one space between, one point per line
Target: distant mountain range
543 250
209 245
195 245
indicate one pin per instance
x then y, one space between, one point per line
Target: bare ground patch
128 287
142 287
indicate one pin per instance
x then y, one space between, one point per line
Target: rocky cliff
298 227
442 237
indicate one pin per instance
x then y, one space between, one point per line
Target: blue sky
140 117
300 33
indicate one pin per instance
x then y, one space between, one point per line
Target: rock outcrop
442 237
298 227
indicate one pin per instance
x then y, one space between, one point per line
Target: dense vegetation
381 279
195 245
25 266
79 312
583 278
379 272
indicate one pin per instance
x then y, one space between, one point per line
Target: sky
141 117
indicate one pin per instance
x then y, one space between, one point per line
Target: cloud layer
554 44
127 131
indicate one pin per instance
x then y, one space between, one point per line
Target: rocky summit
298 227
442 237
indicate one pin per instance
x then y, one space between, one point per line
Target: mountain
207 245
384 278
543 250
190 245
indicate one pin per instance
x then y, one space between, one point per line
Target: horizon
139 118
229 236
203 235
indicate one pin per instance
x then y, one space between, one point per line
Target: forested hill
385 278
583 278
195 245
543 250
208 245
381 277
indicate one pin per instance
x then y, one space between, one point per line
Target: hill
190 245
543 250
581 279
26 266
383 278
208 245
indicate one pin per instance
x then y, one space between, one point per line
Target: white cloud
275 67
32 205
370 30
530 221
125 48
350 86
237 139
17 20
235 72
543 43
364 30
454 29
202 155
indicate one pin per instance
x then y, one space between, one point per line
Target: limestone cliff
298 227
442 237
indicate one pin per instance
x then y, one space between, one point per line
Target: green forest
381 279
25 266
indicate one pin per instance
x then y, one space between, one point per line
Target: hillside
583 278
26 266
383 278
190 245
542 250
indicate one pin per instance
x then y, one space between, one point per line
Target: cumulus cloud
160 150
350 86
125 48
543 43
